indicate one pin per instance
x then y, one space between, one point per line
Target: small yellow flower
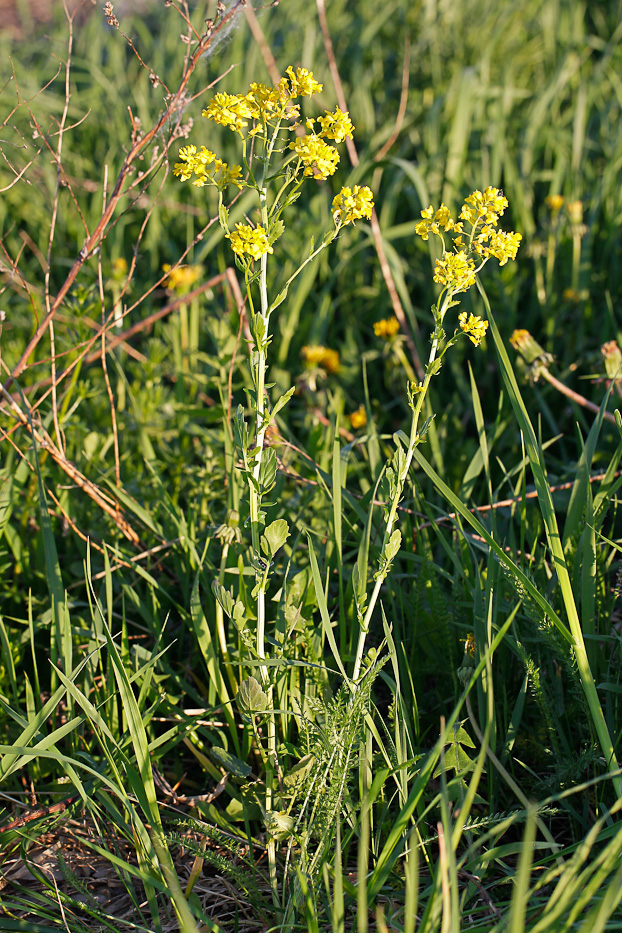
436 222
207 168
302 83
318 157
503 246
249 241
351 204
321 356
554 202
232 110
469 644
336 126
473 326
358 418
455 271
487 206
575 212
182 278
571 294
387 328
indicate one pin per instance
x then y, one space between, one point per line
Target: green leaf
274 537
297 775
282 402
250 698
224 597
230 763
267 473
393 545
223 217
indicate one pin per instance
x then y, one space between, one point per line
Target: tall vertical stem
401 479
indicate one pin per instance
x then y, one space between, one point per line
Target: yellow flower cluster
182 279
262 102
249 241
351 204
335 126
319 158
387 328
455 271
473 326
487 206
436 222
208 169
481 211
321 356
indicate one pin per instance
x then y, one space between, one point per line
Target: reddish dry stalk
92 240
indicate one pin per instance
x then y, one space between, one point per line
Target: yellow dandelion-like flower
119 268
249 241
455 271
473 326
358 418
351 204
387 328
554 202
182 278
337 125
319 158
575 211
323 357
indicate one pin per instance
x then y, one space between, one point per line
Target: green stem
401 479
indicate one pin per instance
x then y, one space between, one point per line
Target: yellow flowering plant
274 166
467 243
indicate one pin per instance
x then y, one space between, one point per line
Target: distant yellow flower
456 271
249 241
321 356
119 269
182 278
473 326
575 212
554 202
387 328
318 157
571 294
351 204
358 418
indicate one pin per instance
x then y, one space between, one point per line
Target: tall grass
454 768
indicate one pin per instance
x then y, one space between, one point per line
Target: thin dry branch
175 108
